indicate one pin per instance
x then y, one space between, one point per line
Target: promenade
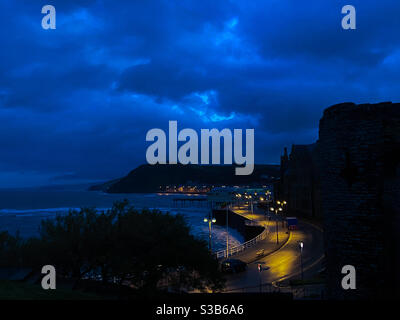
269 244
280 262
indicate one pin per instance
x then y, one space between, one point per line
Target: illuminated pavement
284 263
269 244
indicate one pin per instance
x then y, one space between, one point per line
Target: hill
148 178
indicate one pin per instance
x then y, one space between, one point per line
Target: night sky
76 102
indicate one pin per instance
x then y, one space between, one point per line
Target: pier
191 202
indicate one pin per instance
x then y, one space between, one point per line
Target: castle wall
360 194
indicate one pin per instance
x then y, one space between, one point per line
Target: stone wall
359 148
237 222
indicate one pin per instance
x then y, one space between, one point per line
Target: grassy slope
12 290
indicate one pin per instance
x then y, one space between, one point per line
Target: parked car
233 266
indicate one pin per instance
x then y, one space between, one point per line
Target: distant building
299 182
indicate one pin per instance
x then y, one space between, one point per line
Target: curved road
284 263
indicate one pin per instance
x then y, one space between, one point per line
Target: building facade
350 179
299 182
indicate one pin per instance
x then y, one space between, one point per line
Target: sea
21 210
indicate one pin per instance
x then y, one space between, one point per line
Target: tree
10 249
122 245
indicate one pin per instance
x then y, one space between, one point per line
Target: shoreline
23 210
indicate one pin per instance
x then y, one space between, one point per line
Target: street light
227 229
301 245
276 210
282 204
251 204
210 221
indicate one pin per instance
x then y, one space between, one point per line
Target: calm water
23 209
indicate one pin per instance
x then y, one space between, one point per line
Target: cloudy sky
76 102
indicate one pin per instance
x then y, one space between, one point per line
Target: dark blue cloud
76 102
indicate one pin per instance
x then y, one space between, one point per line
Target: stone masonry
359 155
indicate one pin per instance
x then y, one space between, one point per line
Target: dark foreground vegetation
16 290
119 250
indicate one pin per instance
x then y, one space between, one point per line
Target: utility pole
301 245
227 231
210 220
276 210
259 266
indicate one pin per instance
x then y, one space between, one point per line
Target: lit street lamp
282 204
301 245
251 203
210 221
276 210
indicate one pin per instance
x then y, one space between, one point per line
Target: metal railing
307 291
235 250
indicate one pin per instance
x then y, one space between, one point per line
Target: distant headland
160 178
